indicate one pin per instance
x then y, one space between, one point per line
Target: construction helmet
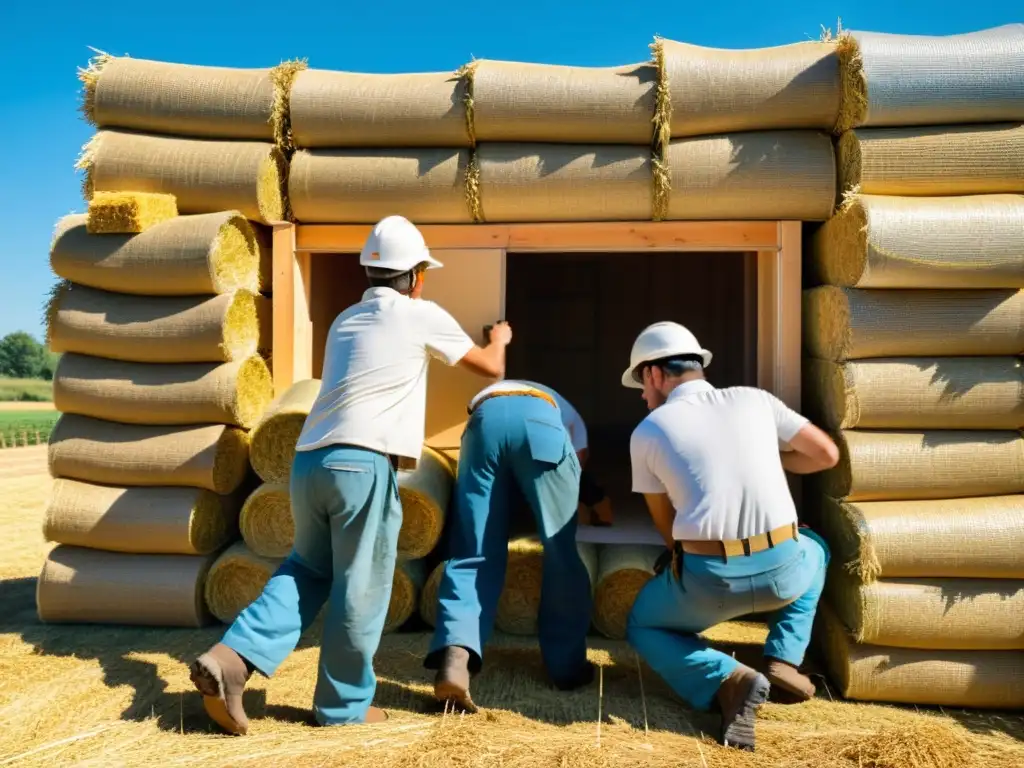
395 244
659 341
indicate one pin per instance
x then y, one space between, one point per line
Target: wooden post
778 316
292 354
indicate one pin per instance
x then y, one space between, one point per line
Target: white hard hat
396 244
659 341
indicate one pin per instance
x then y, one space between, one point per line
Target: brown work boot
603 514
451 685
220 675
786 677
739 697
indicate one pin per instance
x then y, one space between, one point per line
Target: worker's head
409 282
664 356
396 256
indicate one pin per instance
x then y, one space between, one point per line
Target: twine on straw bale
210 253
112 213
275 436
877 241
234 393
79 585
519 603
849 323
213 457
173 521
933 464
266 522
976 679
429 595
424 493
154 329
236 578
623 571
405 593
916 393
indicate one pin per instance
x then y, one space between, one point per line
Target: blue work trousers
785 581
514 441
347 517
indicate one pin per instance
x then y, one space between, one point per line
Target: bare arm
489 361
663 514
813 451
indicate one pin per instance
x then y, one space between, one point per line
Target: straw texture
545 103
205 176
80 585
848 323
233 393
405 593
941 160
155 329
428 596
916 393
343 186
979 679
764 174
715 90
623 570
266 522
923 242
128 212
236 578
186 256
348 109
519 604
213 457
274 438
172 521
424 493
937 464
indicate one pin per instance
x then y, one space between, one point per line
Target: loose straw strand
600 700
643 696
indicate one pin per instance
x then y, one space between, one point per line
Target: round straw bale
237 578
213 457
277 433
623 571
205 176
933 464
405 593
173 521
266 521
79 585
128 212
147 329
916 393
425 493
184 256
849 323
876 241
429 595
234 393
933 161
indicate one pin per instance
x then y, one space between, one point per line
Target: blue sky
47 41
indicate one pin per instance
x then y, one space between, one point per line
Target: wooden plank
767 320
292 355
789 309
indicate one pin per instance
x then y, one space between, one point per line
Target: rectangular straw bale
877 241
934 464
916 393
849 323
547 103
128 212
757 175
362 186
561 182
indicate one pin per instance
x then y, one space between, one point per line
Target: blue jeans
514 441
347 517
668 613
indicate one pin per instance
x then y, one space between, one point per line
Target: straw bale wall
112 213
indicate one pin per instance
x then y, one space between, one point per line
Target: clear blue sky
46 41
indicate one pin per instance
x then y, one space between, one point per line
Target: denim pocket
347 466
790 580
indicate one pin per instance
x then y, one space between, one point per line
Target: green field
25 390
16 426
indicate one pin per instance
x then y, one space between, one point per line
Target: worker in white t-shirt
711 465
368 419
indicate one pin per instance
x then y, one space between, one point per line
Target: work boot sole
789 694
739 733
449 692
207 680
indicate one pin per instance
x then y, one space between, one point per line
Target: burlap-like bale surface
976 679
425 493
79 585
405 593
266 522
933 161
185 256
429 595
519 102
849 323
916 393
234 393
757 175
934 464
876 241
128 212
213 457
237 577
274 438
353 186
173 521
717 90
205 176
623 570
976 77
564 182
151 329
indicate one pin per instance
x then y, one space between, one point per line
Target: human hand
501 333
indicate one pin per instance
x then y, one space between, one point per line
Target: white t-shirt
374 389
715 452
571 418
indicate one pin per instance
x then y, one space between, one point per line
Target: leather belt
741 547
508 392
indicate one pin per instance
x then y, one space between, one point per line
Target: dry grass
129 212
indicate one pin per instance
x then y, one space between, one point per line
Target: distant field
19 427
26 390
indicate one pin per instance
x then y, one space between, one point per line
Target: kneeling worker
709 465
514 437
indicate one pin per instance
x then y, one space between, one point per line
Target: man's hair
402 282
677 365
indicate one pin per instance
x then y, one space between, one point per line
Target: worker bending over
709 465
514 437
367 421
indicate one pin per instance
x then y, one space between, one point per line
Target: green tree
22 357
